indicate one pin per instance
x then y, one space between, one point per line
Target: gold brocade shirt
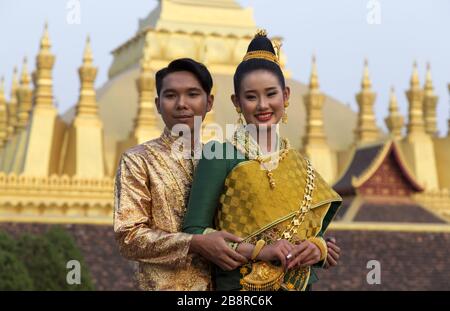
151 192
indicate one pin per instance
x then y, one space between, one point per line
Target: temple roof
205 16
408 212
366 161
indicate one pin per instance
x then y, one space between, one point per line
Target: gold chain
305 205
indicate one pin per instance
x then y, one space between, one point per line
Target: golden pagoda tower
315 144
41 133
415 97
3 116
394 121
85 155
25 97
418 145
367 130
12 107
16 146
145 123
429 105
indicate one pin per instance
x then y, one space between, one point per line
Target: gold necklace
242 142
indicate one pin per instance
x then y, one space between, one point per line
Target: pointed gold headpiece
262 54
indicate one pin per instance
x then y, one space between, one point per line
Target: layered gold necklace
246 145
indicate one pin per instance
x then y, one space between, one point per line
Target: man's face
181 98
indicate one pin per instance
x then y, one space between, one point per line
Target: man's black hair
186 64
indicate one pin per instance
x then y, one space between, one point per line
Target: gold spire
3 115
415 83
24 96
393 106
415 98
428 81
314 99
429 104
45 39
394 121
25 76
42 77
2 88
367 130
87 104
87 55
314 79
145 123
12 110
366 84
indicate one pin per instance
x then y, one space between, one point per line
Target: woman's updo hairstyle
260 55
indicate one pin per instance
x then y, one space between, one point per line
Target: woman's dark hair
186 64
260 42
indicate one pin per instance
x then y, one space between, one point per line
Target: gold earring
240 121
285 116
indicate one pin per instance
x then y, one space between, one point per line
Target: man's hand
304 254
213 247
334 252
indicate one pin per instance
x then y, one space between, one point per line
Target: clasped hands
214 247
291 255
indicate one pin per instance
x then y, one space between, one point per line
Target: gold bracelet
258 247
321 244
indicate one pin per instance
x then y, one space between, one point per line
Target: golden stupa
59 168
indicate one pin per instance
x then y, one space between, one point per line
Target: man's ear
209 102
157 104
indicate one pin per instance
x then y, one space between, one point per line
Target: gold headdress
262 54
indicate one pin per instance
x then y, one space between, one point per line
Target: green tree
13 273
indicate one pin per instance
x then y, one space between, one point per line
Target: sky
391 34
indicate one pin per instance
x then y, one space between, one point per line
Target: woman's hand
304 254
334 252
276 251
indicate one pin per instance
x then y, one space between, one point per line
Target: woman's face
261 98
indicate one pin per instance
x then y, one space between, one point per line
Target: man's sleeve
137 238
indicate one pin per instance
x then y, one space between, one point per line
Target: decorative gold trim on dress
321 244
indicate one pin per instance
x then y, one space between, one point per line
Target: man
152 188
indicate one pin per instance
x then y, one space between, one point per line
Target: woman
265 192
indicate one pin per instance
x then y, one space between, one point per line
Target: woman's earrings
285 116
240 121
